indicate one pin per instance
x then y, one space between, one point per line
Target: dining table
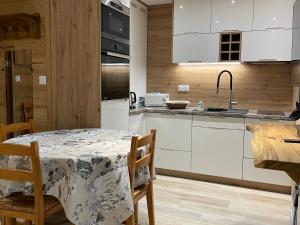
86 169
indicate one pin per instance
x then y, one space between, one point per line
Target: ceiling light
274 18
181 6
233 1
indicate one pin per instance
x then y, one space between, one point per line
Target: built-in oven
115 21
115 71
115 77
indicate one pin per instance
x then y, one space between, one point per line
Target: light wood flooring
188 202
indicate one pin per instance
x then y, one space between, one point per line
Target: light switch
183 88
18 78
42 80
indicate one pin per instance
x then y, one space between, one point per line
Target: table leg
294 211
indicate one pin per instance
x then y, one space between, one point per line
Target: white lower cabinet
217 152
137 124
173 160
173 131
251 173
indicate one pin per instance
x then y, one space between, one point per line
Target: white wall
138 48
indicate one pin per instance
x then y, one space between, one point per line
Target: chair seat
20 203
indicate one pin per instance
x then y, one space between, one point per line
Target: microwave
115 21
156 99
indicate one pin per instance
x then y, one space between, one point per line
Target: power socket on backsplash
183 88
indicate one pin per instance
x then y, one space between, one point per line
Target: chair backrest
27 114
146 160
14 128
33 176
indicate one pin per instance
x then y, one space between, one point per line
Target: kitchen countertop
271 152
193 111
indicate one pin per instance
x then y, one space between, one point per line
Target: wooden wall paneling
254 86
2 87
75 34
22 90
40 54
295 78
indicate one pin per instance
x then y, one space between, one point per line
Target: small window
230 47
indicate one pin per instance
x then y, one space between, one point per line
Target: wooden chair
30 208
27 111
15 128
133 165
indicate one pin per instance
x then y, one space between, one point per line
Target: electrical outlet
42 80
183 88
18 78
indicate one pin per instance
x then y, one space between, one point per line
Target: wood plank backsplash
255 86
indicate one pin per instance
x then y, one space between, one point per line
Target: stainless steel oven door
115 73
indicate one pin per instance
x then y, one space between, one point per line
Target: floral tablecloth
86 169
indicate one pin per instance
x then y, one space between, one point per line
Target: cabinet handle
276 28
194 61
267 60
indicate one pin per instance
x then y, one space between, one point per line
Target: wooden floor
188 202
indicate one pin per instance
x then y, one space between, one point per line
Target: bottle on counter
201 106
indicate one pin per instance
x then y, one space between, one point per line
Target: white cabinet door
273 14
251 173
229 123
115 114
217 152
192 16
172 160
137 124
196 48
138 48
296 44
173 131
269 45
296 22
231 15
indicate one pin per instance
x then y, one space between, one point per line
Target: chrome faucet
231 102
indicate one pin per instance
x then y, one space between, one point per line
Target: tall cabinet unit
138 48
296 31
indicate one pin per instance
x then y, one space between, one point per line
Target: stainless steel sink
231 111
238 111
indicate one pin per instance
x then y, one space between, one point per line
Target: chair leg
10 221
150 204
28 222
136 213
130 220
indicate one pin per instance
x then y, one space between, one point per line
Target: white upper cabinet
196 48
296 23
192 16
268 45
273 14
228 15
296 44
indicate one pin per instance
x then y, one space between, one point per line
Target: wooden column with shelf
67 53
